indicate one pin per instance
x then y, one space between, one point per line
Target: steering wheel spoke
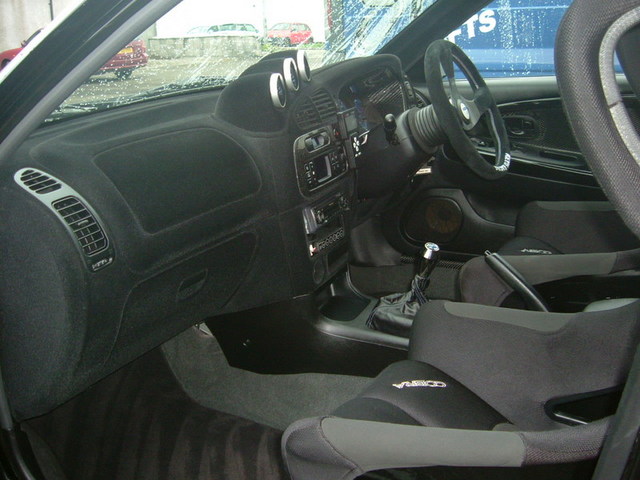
457 115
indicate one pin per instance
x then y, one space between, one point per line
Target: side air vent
39 182
84 226
79 218
315 110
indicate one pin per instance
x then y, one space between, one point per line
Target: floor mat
139 424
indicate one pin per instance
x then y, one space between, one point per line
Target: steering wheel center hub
464 111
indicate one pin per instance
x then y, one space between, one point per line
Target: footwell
138 424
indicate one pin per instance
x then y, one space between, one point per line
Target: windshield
204 44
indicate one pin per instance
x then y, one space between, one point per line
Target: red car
9 55
123 63
289 34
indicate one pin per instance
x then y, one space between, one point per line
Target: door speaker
435 219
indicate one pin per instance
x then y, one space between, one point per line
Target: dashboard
374 95
158 215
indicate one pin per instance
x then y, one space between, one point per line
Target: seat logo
536 251
420 383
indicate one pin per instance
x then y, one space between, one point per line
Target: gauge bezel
274 81
291 74
302 62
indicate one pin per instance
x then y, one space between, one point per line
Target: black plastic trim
553 407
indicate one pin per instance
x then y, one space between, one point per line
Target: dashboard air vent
39 182
316 110
307 116
324 104
87 230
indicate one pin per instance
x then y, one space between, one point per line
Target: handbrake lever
516 281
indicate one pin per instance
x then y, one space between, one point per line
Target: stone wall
178 47
20 18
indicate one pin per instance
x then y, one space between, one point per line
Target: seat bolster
331 448
527 246
575 227
517 360
480 284
378 445
565 445
309 455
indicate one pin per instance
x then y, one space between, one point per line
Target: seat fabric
473 393
544 228
401 392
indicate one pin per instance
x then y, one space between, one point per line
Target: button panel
320 158
326 242
323 169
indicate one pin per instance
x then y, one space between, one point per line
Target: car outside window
202 44
512 38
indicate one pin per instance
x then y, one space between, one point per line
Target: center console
322 157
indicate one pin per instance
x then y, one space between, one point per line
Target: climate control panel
320 159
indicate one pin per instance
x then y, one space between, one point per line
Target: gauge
303 65
291 76
277 90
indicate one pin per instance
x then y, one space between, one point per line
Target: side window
512 38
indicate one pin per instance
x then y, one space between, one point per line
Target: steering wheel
588 36
457 115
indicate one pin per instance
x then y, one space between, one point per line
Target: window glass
203 44
512 37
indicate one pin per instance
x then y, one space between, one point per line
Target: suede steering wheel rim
458 114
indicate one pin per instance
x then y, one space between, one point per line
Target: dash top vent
77 216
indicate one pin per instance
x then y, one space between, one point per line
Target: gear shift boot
394 313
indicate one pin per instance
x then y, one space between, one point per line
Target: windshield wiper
76 109
197 83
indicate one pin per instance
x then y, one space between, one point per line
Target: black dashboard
158 215
373 96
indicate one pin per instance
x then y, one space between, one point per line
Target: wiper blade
71 109
194 84
75 109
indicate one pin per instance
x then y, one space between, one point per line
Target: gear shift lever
430 255
394 313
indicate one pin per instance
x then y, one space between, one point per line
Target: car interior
387 267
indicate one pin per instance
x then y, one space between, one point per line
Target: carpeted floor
276 400
138 424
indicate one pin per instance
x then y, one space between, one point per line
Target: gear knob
430 255
430 251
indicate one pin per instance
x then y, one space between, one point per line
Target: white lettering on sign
485 23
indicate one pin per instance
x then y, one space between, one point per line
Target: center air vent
324 104
315 111
39 182
83 225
